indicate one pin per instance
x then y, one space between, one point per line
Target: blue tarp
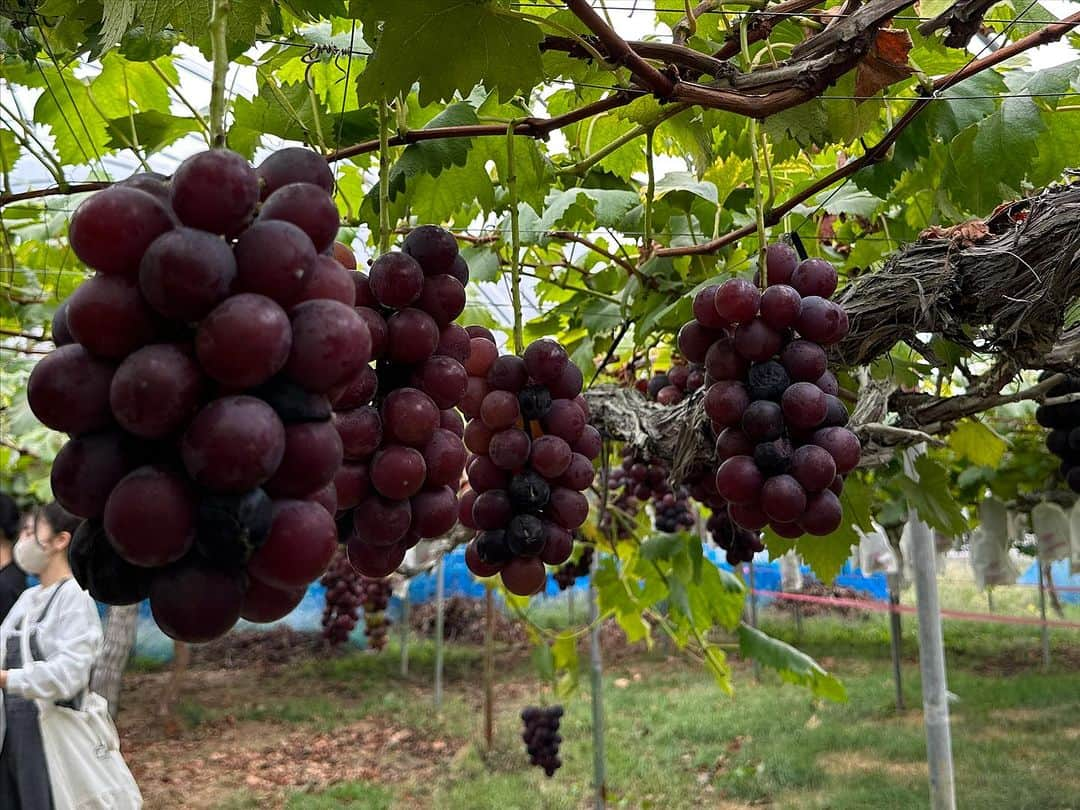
1060 573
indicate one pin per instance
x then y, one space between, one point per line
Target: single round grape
827 383
737 300
375 562
695 380
723 362
738 480
780 307
748 515
244 341
482 355
529 492
434 248
358 391
565 420
344 254
783 499
567 507
669 395
508 373
87 469
524 576
569 384
756 340
773 458
509 449
763 421
308 207
780 263
409 417
325 496
327 278
803 360
330 344
443 379
150 517
412 336
443 298
477 331
233 444
61 335
789 530
294 164
499 410
465 507
274 258
476 390
444 456
525 535
396 280
705 308
558 544
111 230
842 445
398 472
694 341
364 296
109 317
301 542
819 320
454 342
476 565
459 269
545 360
656 384
100 570
813 467
155 391
579 473
351 484
733 442
678 376
823 514
836 414
185 273
264 603
814 277
804 406
551 456
68 390
589 443
492 510
726 401
485 475
491 547
154 184
313 453
360 430
229 528
434 512
478 436
377 329
215 191
194 602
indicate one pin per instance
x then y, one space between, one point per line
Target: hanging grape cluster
375 597
782 445
1063 420
397 423
541 736
738 544
344 595
192 374
670 387
532 453
567 574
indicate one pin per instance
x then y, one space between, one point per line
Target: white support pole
440 579
931 656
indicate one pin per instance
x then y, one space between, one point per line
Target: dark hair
58 518
9 518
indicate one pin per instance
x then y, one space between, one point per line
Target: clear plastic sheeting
1074 535
876 555
791 578
1051 527
906 555
990 546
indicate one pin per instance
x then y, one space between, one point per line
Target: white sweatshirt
69 638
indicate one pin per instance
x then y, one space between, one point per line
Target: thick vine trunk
120 625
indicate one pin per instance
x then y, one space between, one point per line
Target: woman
64 634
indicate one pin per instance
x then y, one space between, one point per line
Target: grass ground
351 732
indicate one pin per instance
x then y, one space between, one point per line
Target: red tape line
884 607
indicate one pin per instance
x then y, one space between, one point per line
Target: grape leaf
790 664
153 130
974 441
432 157
448 46
932 498
79 133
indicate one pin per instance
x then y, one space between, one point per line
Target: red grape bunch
671 387
532 458
401 435
344 595
782 447
191 373
541 736
636 482
567 573
375 597
1063 440
739 544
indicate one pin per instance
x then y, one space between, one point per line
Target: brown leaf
885 64
966 233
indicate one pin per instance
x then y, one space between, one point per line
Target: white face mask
30 556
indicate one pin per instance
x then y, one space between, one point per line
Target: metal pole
990 598
596 686
489 667
894 637
798 621
440 577
931 657
1045 631
753 617
404 631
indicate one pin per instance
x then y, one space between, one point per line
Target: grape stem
384 176
755 157
515 240
220 50
650 195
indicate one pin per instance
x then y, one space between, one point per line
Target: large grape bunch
401 435
541 736
1063 421
568 573
375 596
532 458
344 596
782 447
192 373
671 387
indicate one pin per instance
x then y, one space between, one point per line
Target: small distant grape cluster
672 511
672 386
344 595
567 574
194 373
541 736
636 482
532 458
375 597
739 544
781 443
401 435
1063 420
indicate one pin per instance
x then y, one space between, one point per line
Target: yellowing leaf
975 442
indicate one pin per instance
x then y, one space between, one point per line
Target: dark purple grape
274 259
412 336
111 230
308 207
545 360
396 280
215 191
233 444
68 390
330 344
186 272
435 249
109 317
294 164
244 341
155 391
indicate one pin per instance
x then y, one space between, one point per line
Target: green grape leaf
790 664
932 498
432 157
974 441
492 48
